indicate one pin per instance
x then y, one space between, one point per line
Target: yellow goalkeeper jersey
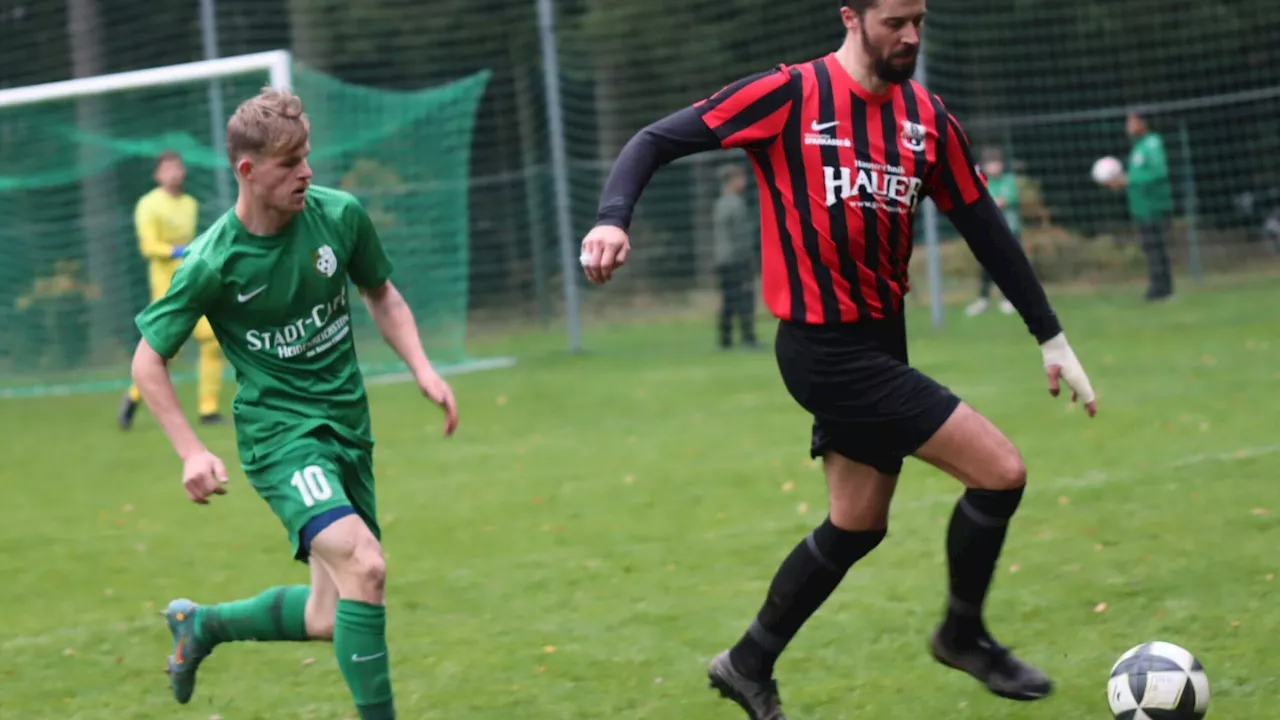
163 222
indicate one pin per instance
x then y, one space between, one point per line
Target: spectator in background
734 247
1004 189
1150 201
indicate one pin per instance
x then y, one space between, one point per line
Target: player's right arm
151 242
751 111
165 325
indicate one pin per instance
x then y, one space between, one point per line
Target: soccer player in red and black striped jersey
844 148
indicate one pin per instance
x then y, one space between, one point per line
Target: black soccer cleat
759 698
995 666
213 419
124 416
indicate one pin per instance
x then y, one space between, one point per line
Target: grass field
603 524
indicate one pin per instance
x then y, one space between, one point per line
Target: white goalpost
277 63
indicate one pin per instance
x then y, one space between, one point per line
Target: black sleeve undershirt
993 244
674 136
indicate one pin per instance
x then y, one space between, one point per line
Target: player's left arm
961 193
370 270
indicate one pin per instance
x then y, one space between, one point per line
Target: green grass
603 524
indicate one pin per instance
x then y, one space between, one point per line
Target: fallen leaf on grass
1100 607
548 649
308 661
1270 577
1063 500
788 486
802 508
1259 511
1016 567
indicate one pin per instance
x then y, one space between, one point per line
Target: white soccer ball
1106 169
1158 681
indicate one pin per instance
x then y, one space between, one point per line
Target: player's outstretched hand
1061 364
203 475
604 250
439 392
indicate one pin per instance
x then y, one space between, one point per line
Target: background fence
1047 82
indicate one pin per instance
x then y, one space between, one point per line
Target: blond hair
270 123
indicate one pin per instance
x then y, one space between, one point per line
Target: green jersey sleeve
369 266
167 323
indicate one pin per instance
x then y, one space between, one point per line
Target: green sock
277 614
360 642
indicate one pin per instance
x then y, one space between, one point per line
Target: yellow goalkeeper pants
209 370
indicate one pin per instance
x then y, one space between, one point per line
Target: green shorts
316 476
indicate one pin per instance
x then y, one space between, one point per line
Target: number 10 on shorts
312 485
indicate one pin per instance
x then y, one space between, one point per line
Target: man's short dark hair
859 6
166 156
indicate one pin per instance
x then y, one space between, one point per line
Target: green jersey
1150 193
279 308
1005 187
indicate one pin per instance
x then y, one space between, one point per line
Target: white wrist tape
1057 351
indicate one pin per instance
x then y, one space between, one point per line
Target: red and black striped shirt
840 173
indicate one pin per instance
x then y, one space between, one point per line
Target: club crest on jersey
913 136
326 261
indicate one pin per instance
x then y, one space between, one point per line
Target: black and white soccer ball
1158 681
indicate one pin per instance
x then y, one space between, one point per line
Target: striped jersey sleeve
750 111
959 181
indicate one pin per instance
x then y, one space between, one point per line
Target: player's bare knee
1006 471
859 494
370 570
1010 472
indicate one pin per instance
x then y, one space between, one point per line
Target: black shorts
867 403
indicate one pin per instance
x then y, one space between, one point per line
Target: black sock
804 581
974 540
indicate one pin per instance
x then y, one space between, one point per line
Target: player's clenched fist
604 250
203 474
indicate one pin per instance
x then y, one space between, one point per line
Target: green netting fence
72 170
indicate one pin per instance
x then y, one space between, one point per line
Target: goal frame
277 63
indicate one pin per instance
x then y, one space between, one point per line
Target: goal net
75 156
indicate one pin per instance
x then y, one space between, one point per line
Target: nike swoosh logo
819 127
246 297
367 658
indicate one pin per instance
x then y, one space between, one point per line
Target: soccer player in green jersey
1002 183
271 276
1150 194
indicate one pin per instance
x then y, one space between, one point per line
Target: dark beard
892 74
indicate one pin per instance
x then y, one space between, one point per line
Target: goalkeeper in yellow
165 220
